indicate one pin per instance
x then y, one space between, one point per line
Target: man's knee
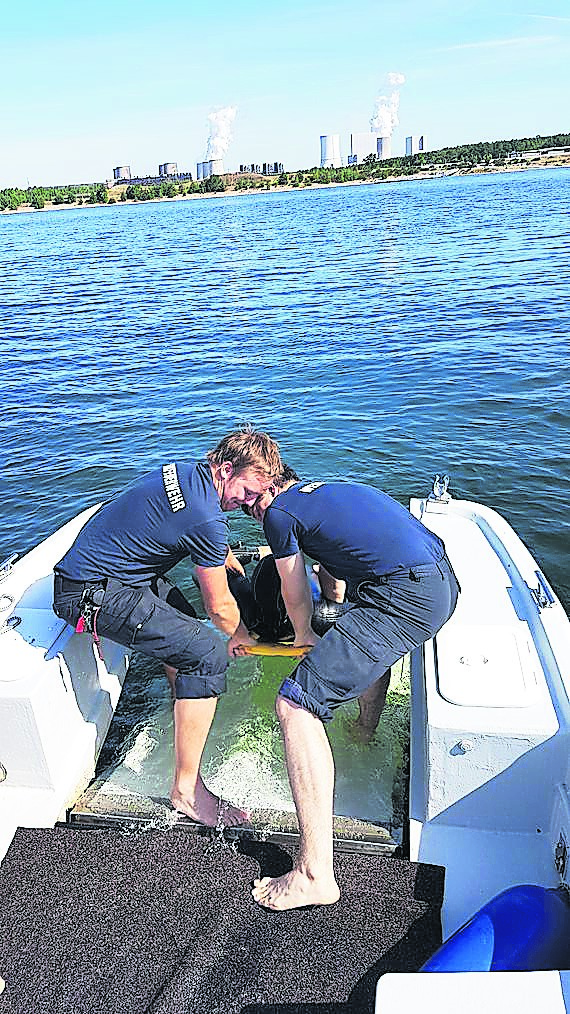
203 678
286 709
196 685
293 696
283 707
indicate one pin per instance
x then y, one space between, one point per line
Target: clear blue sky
87 86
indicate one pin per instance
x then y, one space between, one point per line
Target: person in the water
111 582
403 590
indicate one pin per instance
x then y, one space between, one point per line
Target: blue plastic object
314 583
523 929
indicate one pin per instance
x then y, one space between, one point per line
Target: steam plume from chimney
385 116
220 132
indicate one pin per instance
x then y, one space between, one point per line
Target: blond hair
248 448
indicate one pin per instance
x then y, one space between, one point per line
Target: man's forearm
297 596
226 617
332 587
300 612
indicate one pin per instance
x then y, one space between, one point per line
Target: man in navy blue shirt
402 588
112 582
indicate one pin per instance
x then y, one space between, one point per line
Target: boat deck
155 922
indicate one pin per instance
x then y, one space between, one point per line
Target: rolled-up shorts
390 616
157 620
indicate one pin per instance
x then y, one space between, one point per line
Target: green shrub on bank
37 197
463 157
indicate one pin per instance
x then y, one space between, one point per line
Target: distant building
384 147
267 169
362 145
168 169
415 144
213 167
330 151
122 172
146 181
539 153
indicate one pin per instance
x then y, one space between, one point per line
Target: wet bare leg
311 773
192 721
170 673
371 704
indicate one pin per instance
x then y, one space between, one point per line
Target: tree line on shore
462 157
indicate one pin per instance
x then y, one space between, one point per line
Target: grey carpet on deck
106 922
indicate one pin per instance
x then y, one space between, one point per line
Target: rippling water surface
380 332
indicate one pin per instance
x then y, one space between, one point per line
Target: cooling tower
415 144
216 167
384 147
362 145
330 151
168 169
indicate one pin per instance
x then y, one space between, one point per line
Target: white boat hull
490 737
57 697
490 754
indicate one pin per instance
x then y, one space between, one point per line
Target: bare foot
295 890
207 808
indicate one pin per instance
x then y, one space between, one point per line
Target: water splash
145 742
244 758
252 781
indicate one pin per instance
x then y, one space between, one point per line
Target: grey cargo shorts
158 621
390 616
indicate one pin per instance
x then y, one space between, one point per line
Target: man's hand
232 562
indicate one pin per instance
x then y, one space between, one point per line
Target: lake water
380 332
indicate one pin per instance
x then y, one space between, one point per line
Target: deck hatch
487 666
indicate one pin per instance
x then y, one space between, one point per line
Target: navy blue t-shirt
357 532
171 513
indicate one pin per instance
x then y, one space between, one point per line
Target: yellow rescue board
277 649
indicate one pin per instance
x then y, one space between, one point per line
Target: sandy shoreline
428 175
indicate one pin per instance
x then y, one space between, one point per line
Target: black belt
90 595
71 583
